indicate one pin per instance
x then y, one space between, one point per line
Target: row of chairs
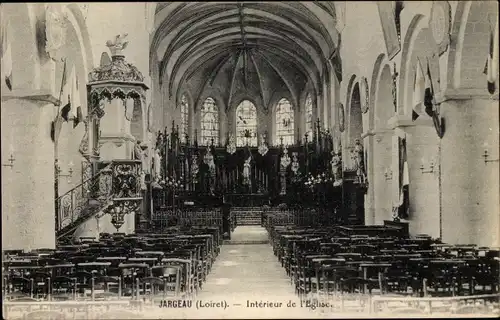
138 266
325 263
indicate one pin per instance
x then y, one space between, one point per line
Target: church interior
250 159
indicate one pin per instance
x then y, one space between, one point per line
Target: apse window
284 123
309 117
183 128
246 124
209 122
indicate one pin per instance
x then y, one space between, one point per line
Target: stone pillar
325 105
422 148
28 197
370 200
381 181
470 198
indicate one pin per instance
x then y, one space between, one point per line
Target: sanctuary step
248 235
247 216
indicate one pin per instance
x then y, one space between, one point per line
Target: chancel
249 159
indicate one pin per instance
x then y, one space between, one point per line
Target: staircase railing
83 201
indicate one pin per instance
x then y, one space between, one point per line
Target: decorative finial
117 45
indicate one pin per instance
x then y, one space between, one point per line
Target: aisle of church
245 275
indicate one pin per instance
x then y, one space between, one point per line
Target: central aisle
246 282
245 275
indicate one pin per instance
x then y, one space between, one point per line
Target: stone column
326 104
422 148
381 181
370 199
28 197
470 198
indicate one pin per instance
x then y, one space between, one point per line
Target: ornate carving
263 149
118 69
55 29
231 146
285 159
84 144
117 45
100 94
120 208
126 182
74 204
194 168
295 162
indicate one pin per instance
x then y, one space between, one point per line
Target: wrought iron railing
84 200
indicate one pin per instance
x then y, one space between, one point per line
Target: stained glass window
309 117
209 122
183 128
246 124
284 123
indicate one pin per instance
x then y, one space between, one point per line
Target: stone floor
243 276
248 235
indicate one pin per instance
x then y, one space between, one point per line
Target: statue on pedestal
285 159
263 149
209 161
156 168
231 146
143 180
358 155
246 171
138 154
284 163
295 162
336 163
194 168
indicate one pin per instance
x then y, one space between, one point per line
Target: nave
335 153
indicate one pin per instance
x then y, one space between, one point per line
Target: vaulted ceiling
261 47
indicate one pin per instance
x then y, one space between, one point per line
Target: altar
305 175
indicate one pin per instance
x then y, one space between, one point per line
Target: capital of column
118 139
464 94
42 97
404 120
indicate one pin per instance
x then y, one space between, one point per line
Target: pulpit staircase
247 216
83 202
116 185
